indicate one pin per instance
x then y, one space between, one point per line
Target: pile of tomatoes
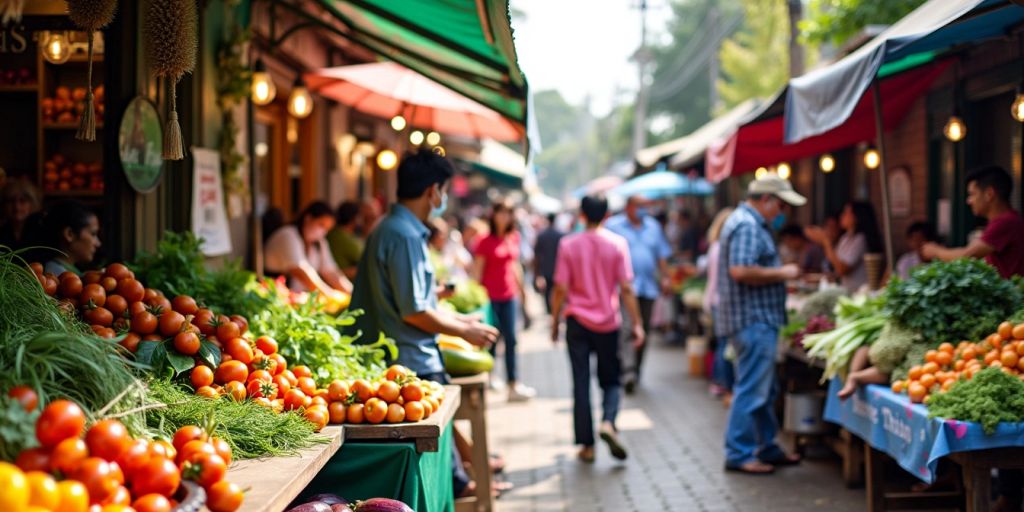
397 397
106 469
944 367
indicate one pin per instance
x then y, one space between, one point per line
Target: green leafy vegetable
17 428
858 322
990 398
891 348
961 300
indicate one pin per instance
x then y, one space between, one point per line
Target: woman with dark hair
496 265
860 236
20 201
299 251
72 229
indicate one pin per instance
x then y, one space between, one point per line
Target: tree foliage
835 21
755 60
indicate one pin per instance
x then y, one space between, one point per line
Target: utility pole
796 50
715 27
642 57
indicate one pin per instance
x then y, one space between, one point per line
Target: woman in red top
496 265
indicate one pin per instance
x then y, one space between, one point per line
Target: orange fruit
995 340
396 413
396 372
1009 359
337 390
414 411
930 356
928 380
337 412
307 385
914 373
376 410
897 387
969 353
318 400
1020 349
356 414
947 385
959 365
996 364
946 347
412 392
302 371
1018 332
944 358
1005 331
1020 364
917 392
389 391
990 356
930 367
434 404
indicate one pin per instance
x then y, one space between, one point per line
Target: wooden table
424 433
977 469
474 409
274 482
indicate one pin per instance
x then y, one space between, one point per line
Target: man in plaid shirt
752 308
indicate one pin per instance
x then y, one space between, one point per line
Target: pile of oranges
397 397
947 365
106 469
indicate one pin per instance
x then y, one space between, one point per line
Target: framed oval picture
140 141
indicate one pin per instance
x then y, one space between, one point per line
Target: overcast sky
583 46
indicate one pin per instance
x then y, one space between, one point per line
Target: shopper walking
722 376
592 271
395 281
497 267
544 256
751 310
649 252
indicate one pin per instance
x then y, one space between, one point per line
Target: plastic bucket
803 413
696 349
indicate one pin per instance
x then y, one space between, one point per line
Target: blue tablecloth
893 424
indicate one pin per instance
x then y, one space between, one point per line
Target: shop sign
900 192
13 40
140 142
209 219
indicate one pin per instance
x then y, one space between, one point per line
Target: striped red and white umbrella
387 89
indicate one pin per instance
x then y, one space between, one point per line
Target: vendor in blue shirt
395 285
649 251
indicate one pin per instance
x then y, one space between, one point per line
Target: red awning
760 144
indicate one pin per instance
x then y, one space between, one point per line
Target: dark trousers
582 342
460 479
505 313
634 357
549 285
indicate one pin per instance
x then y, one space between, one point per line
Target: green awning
466 45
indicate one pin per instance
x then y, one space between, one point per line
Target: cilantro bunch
990 398
964 299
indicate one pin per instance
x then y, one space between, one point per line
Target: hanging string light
955 129
300 103
827 163
387 160
871 158
263 89
784 171
416 138
398 123
433 138
761 172
57 48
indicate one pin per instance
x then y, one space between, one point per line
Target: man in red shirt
1002 242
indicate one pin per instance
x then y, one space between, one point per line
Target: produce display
67 104
73 468
469 297
461 358
61 174
334 503
396 396
990 397
858 323
17 76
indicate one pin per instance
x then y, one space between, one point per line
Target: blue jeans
582 342
505 313
722 372
752 427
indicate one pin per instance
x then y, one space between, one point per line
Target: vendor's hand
555 331
480 334
540 283
816 234
790 271
335 296
930 251
639 336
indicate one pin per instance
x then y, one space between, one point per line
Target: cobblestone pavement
673 429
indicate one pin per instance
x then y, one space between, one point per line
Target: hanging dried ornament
170 43
10 10
91 16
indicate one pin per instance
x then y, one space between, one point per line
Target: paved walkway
673 430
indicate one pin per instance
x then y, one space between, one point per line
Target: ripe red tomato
260 375
185 305
120 497
117 305
90 277
109 284
187 343
186 434
204 468
171 323
258 388
163 449
97 476
236 390
283 385
70 285
60 420
98 316
205 321
131 289
294 399
107 439
131 342
68 454
282 363
117 271
267 345
158 476
193 448
144 322
301 371
223 448
231 370
201 376
34 459
134 458
152 503
239 349
93 294
241 322
226 329
223 496
26 396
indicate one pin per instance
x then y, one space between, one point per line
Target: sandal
756 468
785 460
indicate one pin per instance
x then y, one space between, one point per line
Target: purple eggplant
340 507
313 506
330 499
381 505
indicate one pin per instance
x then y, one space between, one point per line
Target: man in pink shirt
591 271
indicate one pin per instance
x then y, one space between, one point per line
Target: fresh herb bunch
990 398
964 299
251 429
308 336
48 348
178 267
17 428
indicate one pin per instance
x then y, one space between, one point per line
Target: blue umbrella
659 184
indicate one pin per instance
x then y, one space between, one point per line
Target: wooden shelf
79 58
74 193
66 126
424 433
274 482
19 88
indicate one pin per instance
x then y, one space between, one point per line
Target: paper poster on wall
899 192
209 220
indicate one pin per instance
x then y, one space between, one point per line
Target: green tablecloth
363 470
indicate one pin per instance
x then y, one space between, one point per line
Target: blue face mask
641 212
440 209
779 222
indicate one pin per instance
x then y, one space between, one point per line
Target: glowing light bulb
784 171
433 138
57 49
1017 108
872 159
416 138
761 172
300 103
387 160
263 89
955 130
827 163
398 123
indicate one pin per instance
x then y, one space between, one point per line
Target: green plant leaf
209 353
180 363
